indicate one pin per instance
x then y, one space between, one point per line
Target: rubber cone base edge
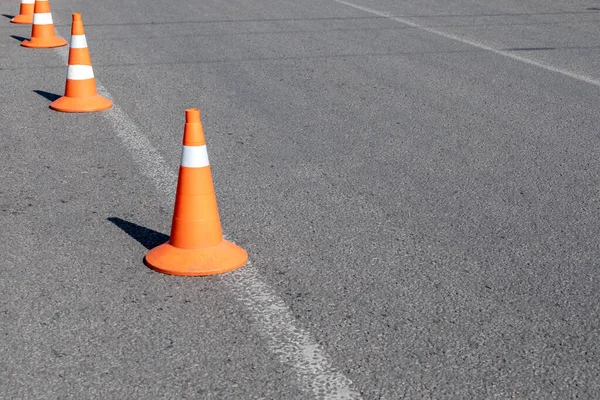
23 19
44 42
172 260
81 104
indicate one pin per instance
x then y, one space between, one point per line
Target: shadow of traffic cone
43 34
80 90
196 246
25 13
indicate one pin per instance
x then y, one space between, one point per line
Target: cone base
44 42
196 262
23 19
81 104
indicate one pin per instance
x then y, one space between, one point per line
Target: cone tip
76 17
192 115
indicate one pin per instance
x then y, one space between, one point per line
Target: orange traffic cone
43 34
25 13
80 91
196 246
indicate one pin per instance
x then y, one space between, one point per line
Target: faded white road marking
290 343
482 46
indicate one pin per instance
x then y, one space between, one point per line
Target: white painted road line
482 46
290 343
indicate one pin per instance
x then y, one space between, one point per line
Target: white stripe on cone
194 157
42 19
78 42
27 1
80 72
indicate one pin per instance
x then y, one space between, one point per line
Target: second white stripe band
194 157
42 19
78 42
80 72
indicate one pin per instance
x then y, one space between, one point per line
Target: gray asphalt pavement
416 184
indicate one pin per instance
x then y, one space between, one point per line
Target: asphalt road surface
416 184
